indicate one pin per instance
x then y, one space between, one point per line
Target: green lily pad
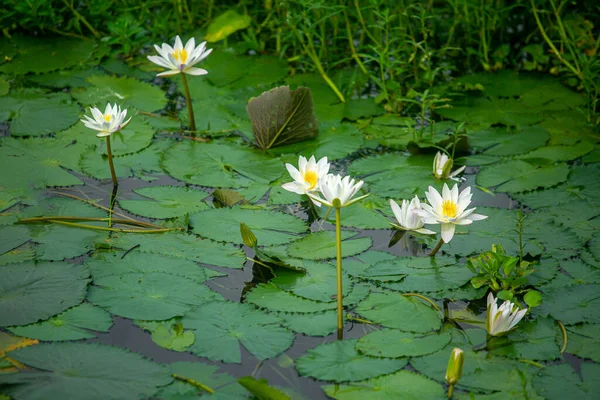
556 153
38 116
220 165
400 385
366 214
392 343
224 385
318 283
73 324
169 334
531 340
87 371
270 228
166 202
578 304
393 310
43 54
562 382
584 341
148 296
30 292
125 91
103 264
273 298
223 326
321 245
184 246
56 242
313 324
506 142
340 362
519 176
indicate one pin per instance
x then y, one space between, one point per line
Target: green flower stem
340 298
426 299
110 162
73 218
194 383
564 333
436 248
103 228
189 104
450 391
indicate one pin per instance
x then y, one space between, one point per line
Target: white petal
195 71
168 73
447 232
294 173
424 231
294 187
178 44
477 217
397 211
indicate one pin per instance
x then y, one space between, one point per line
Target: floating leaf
169 201
181 245
127 92
169 334
220 165
584 341
335 141
86 371
273 298
400 385
29 292
261 389
321 324
43 54
578 304
223 384
149 296
226 24
281 116
393 310
73 324
321 245
339 362
393 343
532 340
519 176
40 115
103 264
508 142
56 242
270 228
557 382
223 326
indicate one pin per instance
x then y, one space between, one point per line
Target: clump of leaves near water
282 116
503 274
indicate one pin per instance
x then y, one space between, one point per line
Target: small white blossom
111 121
307 176
502 319
338 191
408 220
180 59
442 167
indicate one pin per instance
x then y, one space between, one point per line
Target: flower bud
248 236
455 366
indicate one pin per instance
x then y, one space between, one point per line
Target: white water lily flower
448 209
307 176
180 59
408 220
502 319
111 121
442 167
338 191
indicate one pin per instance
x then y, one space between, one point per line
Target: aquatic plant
107 123
501 320
442 167
181 60
448 209
308 176
407 219
454 369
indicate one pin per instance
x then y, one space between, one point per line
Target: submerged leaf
282 116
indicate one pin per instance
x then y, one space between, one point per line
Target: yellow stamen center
107 117
449 208
180 55
311 178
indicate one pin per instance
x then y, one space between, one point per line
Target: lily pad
166 202
400 385
270 228
220 328
578 304
561 382
86 371
519 176
340 362
322 245
393 310
73 324
584 341
220 165
181 245
29 292
532 340
149 296
394 344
